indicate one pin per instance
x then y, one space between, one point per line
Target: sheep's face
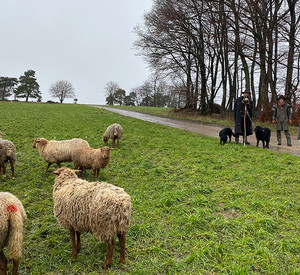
105 140
36 141
105 152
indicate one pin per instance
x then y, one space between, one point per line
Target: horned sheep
97 207
7 154
90 158
54 151
115 132
12 229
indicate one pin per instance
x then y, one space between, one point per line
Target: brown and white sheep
54 151
90 158
97 207
7 154
115 132
12 229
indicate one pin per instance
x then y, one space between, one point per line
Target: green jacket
282 115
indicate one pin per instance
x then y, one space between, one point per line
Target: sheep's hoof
105 266
12 178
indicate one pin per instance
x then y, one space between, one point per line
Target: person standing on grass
282 113
243 107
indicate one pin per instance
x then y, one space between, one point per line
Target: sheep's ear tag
56 172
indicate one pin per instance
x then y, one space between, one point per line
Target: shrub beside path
208 130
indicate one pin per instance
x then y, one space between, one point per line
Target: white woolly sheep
90 158
115 132
97 207
12 229
7 154
54 151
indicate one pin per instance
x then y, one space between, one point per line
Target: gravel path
208 130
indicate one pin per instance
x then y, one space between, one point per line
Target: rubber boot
236 139
288 137
279 137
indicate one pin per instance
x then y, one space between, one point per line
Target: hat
246 91
281 96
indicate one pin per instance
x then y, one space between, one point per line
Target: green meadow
198 207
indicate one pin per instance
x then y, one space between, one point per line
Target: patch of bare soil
226 213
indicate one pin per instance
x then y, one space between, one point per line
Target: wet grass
198 207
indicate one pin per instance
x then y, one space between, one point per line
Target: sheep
12 229
114 131
54 151
97 207
90 158
7 154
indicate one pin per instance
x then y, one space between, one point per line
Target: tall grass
198 207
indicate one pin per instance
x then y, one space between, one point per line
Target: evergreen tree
7 85
28 86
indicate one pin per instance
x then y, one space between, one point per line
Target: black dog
263 134
223 135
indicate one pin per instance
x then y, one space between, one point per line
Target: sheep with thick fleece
7 154
90 158
12 229
97 207
57 151
115 132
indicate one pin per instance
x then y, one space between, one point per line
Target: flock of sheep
80 206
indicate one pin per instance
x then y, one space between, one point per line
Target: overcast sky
86 42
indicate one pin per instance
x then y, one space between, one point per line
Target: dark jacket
239 110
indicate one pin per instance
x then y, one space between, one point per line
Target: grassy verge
198 207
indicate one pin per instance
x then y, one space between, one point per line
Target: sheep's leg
94 173
12 165
15 267
118 144
78 241
59 165
98 172
74 247
49 164
4 172
122 240
111 246
3 264
113 143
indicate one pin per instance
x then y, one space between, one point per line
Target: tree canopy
62 89
28 86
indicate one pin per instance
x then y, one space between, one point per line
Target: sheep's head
66 173
105 152
38 141
105 139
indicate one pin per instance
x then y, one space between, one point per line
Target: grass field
198 207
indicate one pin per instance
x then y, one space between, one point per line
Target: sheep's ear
1 134
78 171
111 148
56 172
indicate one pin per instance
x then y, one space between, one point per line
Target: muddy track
207 130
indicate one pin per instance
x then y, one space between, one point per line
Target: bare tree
62 89
110 90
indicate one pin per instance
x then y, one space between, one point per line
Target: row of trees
27 87
155 92
217 48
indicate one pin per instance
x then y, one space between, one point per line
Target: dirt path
207 130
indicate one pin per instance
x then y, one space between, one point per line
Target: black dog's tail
234 134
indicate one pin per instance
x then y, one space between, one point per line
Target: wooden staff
245 131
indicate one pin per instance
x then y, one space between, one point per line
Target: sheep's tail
16 232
